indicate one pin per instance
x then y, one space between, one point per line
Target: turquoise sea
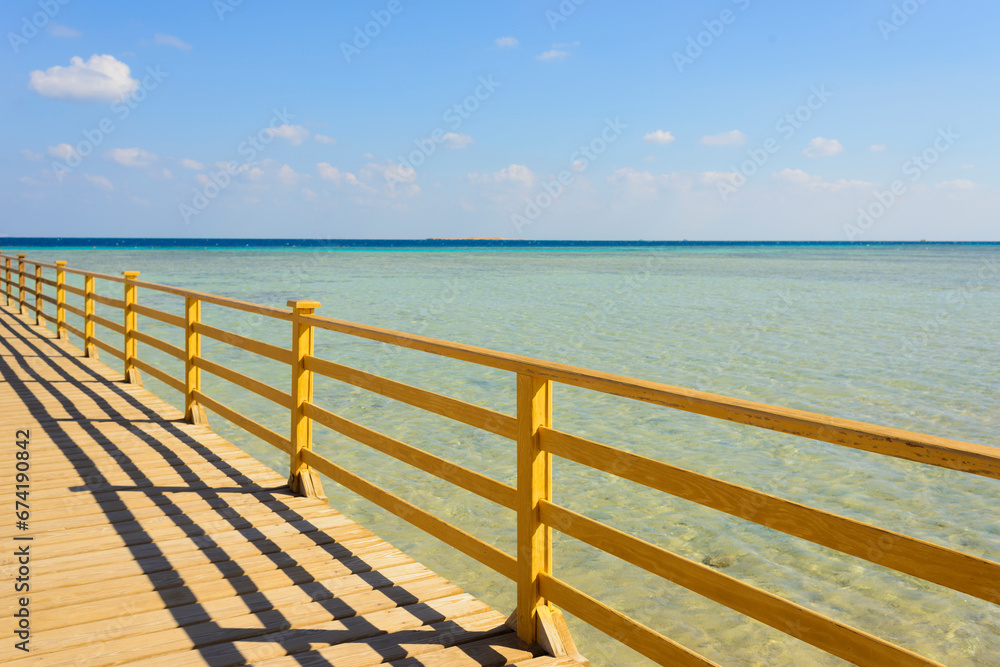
898 335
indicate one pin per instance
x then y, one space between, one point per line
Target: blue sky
856 120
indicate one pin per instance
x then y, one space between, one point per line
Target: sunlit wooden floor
157 542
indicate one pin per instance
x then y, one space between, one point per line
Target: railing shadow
158 443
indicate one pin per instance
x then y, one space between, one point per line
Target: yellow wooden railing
537 442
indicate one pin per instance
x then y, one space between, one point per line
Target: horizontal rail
467 413
50 283
109 324
108 301
73 330
73 309
79 272
48 299
282 398
48 317
471 546
158 374
245 423
161 345
635 635
481 485
166 318
75 290
110 349
237 304
931 562
247 344
811 627
918 447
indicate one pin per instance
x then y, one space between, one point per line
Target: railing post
534 482
194 412
131 320
20 283
9 286
89 349
39 304
61 332
301 478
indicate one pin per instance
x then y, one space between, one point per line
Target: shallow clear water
904 336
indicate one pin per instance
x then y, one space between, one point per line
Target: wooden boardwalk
157 542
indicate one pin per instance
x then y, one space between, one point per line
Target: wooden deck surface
157 542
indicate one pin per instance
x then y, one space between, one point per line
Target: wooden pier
157 542
151 540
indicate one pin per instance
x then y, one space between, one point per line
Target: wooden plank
409 643
74 290
49 299
109 324
279 354
166 318
834 637
74 309
282 398
247 424
940 565
108 301
156 373
472 546
633 634
944 452
470 480
72 329
46 281
236 304
110 349
161 345
467 413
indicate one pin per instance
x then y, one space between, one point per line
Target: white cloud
328 172
453 140
552 54
323 139
713 177
57 30
820 147
957 184
99 182
102 78
507 42
192 164
658 137
289 176
170 40
28 180
31 155
295 134
515 173
131 157
801 179
875 148
731 138
62 151
648 184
